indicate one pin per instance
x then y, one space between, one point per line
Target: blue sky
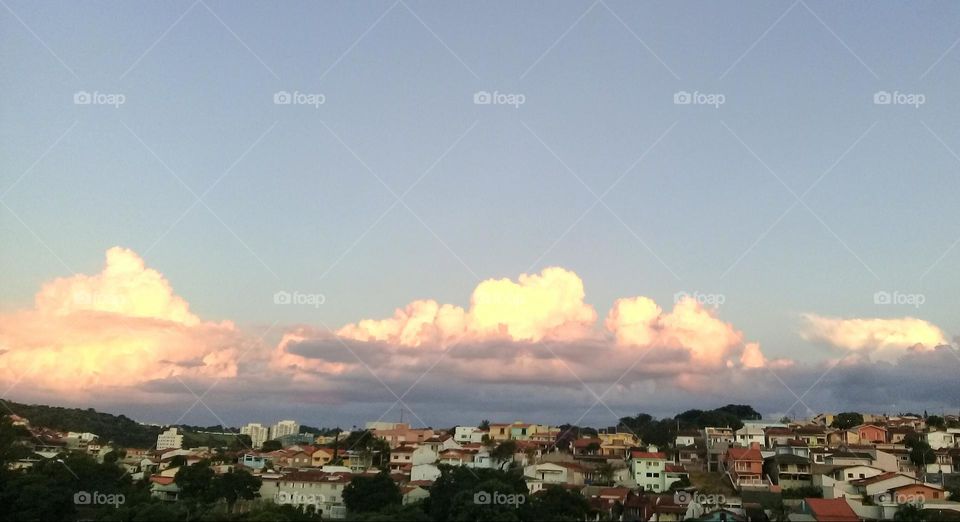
297 197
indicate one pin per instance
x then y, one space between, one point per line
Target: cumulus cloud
548 305
534 330
886 338
117 328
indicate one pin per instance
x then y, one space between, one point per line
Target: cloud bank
123 334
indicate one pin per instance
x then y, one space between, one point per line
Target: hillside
119 429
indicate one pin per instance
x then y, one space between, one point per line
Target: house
750 432
169 439
715 436
940 439
402 458
917 493
744 466
546 473
616 444
323 491
845 457
424 472
878 484
777 435
789 471
253 461
649 470
164 489
587 446
398 433
464 434
321 457
686 438
499 432
869 433
815 436
414 493
829 510
691 457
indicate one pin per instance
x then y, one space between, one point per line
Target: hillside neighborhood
832 467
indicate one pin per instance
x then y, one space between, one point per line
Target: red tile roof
659 455
833 509
745 454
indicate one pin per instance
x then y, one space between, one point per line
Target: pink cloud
121 327
886 338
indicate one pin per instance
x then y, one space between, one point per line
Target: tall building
258 433
284 427
169 439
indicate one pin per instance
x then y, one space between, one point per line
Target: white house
427 472
940 439
546 473
464 434
649 470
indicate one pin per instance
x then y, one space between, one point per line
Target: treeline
664 431
119 429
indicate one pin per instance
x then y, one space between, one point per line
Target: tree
452 493
236 484
365 494
504 452
271 445
604 474
557 503
921 453
484 425
196 483
936 421
909 513
178 461
847 420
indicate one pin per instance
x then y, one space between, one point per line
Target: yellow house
321 457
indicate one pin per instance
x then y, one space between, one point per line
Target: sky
331 211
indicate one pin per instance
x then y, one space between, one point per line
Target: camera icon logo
282 98
682 98
482 498
882 298
82 498
682 498
882 98
282 298
82 98
482 98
